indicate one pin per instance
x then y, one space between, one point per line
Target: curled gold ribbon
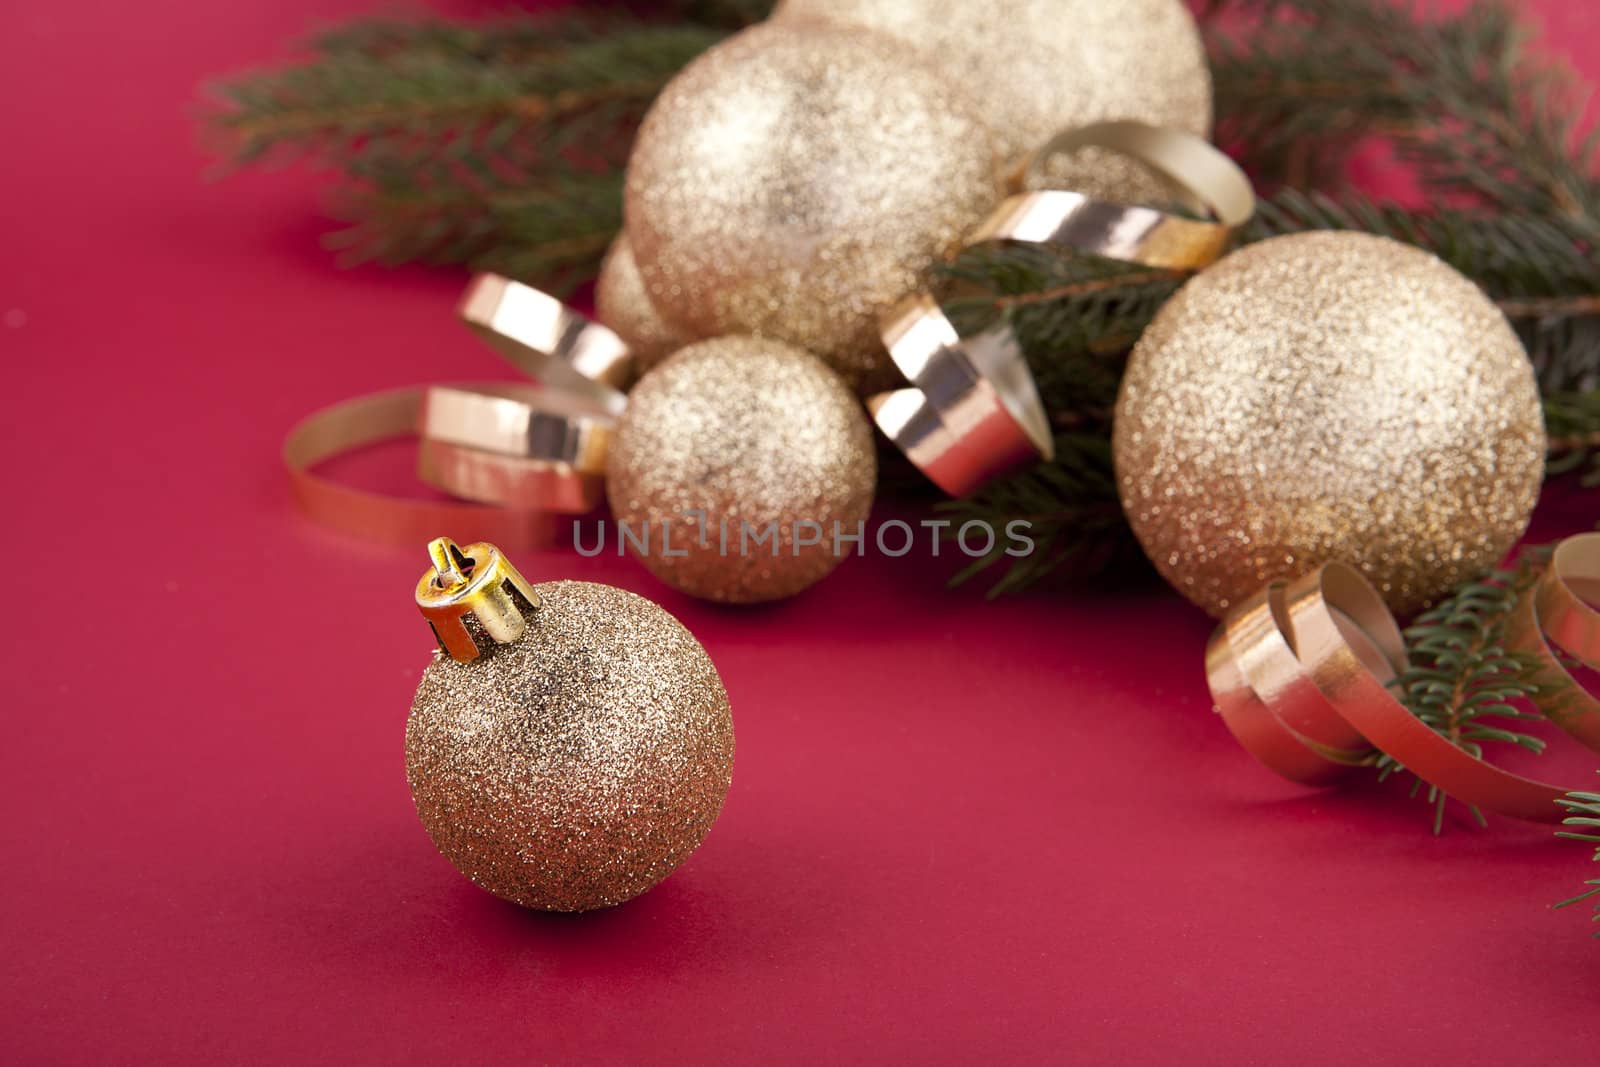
543 448
1301 672
1568 596
1203 178
535 485
1553 618
520 421
547 340
972 411
370 516
1270 702
521 453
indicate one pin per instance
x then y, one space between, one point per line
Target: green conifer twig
1584 811
498 146
1464 679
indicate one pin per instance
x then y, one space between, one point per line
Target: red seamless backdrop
958 830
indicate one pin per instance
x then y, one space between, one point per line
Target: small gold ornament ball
579 765
624 305
1328 396
798 180
761 440
1043 66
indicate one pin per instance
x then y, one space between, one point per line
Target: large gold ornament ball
1328 396
623 304
1039 67
578 766
798 180
739 459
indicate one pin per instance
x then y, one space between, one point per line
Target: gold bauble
622 303
1040 67
732 440
1321 397
579 765
797 181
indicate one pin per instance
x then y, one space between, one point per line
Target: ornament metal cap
477 581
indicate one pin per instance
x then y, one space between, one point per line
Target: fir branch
552 229
499 146
1584 811
1573 419
1463 679
1460 98
732 14
406 89
1079 532
511 39
1298 85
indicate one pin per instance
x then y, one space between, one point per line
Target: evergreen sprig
1573 419
1080 535
499 145
1584 810
1300 83
1463 679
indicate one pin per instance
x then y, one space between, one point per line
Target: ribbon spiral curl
521 453
1301 675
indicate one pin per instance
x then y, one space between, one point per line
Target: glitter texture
797 181
622 303
1039 67
750 432
1321 397
579 765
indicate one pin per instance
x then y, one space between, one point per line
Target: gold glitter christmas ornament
623 303
1039 67
799 179
739 469
1328 397
570 743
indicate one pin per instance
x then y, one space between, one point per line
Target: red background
957 829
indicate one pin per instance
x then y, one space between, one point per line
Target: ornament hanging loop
477 581
450 564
